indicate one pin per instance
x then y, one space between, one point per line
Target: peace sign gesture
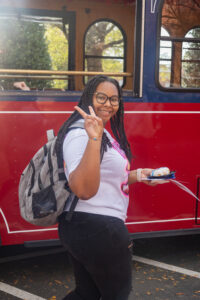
93 124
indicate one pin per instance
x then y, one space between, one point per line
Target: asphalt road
163 268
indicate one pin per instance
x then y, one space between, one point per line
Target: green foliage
164 73
58 50
114 38
23 46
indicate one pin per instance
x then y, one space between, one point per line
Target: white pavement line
30 255
18 293
166 266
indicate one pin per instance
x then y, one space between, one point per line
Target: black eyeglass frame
107 98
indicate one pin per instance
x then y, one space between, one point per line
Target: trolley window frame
172 39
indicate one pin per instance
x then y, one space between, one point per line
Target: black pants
100 252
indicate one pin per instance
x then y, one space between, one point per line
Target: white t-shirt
112 196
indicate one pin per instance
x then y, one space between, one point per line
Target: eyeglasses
102 98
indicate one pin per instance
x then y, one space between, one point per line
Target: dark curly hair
117 121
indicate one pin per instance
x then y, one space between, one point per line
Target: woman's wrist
138 175
95 138
132 176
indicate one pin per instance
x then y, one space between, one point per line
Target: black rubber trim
167 233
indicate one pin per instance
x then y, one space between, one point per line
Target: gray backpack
43 187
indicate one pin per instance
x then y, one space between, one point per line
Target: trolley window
179 44
31 40
104 48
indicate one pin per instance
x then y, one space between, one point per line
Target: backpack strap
50 166
60 158
72 197
74 202
50 135
32 177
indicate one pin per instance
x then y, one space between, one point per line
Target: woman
97 168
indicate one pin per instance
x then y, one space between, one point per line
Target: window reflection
179 60
191 60
165 60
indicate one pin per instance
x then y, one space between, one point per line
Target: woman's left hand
147 172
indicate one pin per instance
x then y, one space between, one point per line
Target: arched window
104 48
191 59
165 59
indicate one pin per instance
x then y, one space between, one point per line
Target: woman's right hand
93 124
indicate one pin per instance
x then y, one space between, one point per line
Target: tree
23 46
57 42
104 39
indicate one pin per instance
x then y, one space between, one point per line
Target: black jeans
99 248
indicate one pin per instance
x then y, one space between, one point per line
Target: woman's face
106 92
